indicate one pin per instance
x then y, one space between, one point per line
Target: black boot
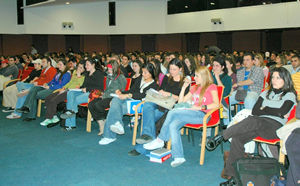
230 182
213 143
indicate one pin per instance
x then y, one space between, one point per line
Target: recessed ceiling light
67 3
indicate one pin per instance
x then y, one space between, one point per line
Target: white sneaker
177 161
55 119
13 116
106 141
46 122
155 144
117 128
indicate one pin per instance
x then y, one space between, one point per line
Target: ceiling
61 2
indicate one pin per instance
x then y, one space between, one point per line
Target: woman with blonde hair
259 62
201 99
280 61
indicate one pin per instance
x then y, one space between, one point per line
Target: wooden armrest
137 107
57 90
10 81
291 121
209 114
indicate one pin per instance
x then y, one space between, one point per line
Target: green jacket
75 82
114 83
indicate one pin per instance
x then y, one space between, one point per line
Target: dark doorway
148 43
273 40
72 43
192 42
1 45
40 43
117 43
224 41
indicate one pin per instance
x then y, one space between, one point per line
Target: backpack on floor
256 170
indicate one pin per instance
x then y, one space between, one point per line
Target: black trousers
97 108
292 147
52 101
245 131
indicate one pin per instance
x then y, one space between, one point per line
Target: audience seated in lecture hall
61 78
147 70
115 82
269 113
93 80
171 86
114 124
45 77
201 99
10 93
249 79
60 95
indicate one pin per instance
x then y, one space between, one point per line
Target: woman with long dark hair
219 73
115 80
171 86
54 99
114 124
189 66
137 71
269 113
93 80
230 65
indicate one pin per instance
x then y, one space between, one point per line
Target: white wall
282 15
132 17
143 17
8 16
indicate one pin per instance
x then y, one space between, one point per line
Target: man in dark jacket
10 72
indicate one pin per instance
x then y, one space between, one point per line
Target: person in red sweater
46 76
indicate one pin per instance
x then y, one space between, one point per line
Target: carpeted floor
34 155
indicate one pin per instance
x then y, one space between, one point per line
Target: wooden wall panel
224 40
98 43
247 41
169 42
117 43
291 40
192 42
1 44
207 39
16 44
133 43
149 43
56 43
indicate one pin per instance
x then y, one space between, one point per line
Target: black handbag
240 95
256 170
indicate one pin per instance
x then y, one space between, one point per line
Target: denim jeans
175 120
20 102
35 94
117 109
75 98
23 86
249 101
151 114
